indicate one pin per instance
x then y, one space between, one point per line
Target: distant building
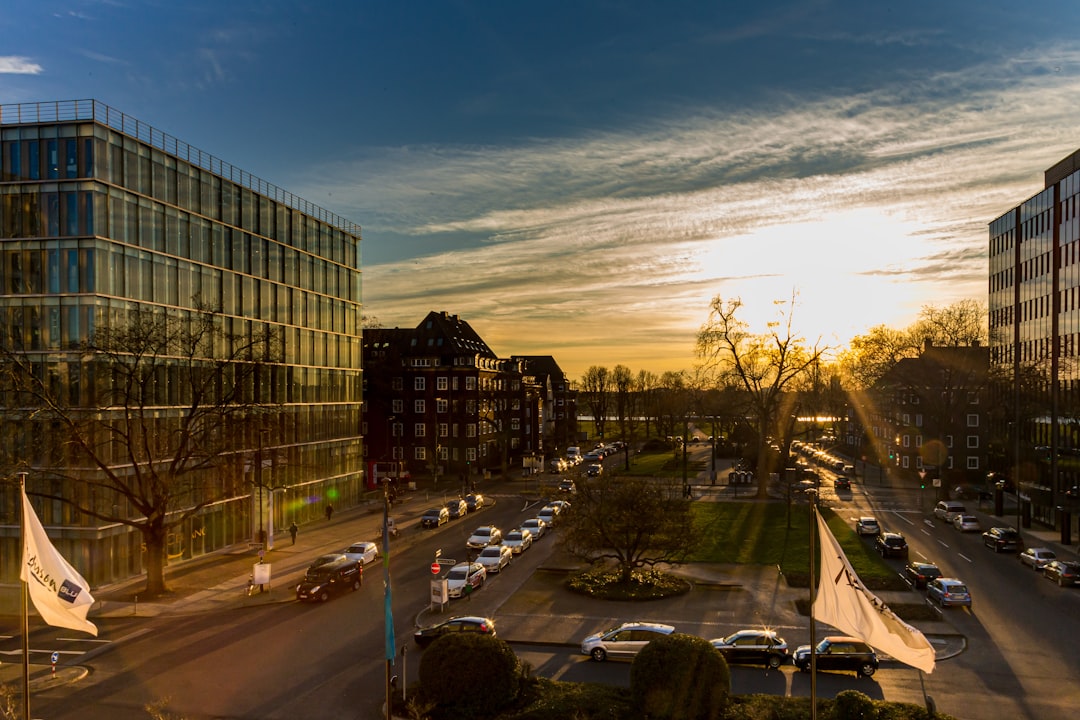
559 403
1034 303
101 214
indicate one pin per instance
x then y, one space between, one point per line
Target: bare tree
764 365
962 323
596 387
635 522
175 399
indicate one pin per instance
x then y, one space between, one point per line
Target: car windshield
490 551
513 536
357 549
956 588
457 573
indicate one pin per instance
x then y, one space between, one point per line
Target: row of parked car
452 510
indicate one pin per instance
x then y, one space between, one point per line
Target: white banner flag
58 591
844 602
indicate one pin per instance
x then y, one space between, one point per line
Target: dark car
920 573
435 517
474 501
891 544
466 624
326 560
839 653
1002 539
457 508
567 486
329 579
842 484
1063 572
755 647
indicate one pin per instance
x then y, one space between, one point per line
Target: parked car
966 523
920 573
839 652
461 575
755 647
457 508
624 640
842 484
867 526
560 506
464 624
536 527
435 517
362 552
495 557
948 509
1002 539
547 514
483 536
1037 558
474 501
518 540
329 579
948 592
1063 572
891 544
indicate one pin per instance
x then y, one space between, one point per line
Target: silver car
623 641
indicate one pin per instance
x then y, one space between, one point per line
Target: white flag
58 591
844 602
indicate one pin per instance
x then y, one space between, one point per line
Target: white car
867 526
518 540
623 641
495 557
362 552
536 527
1037 558
967 523
462 575
483 536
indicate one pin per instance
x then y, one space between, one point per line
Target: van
330 579
948 509
573 451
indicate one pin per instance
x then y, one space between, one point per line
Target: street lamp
261 485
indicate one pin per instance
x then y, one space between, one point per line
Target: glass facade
101 217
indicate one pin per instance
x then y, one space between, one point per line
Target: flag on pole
388 619
58 591
845 603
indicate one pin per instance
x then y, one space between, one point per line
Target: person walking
329 511
292 531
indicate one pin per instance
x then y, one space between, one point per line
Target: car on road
754 647
1063 572
966 523
1036 558
558 465
867 526
483 536
623 641
362 552
920 573
560 506
891 544
1002 539
329 579
536 527
567 486
453 626
457 508
474 501
948 509
594 470
434 517
495 557
948 592
464 575
839 652
842 484
548 515
518 540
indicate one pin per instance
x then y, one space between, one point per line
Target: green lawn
759 533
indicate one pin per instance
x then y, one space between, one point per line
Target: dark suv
839 653
891 544
1002 539
758 647
329 579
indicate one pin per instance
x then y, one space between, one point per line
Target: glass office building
101 216
1034 303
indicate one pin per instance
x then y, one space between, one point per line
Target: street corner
947 645
42 677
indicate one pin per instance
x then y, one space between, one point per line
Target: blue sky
580 179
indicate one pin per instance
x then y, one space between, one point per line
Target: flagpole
812 495
25 609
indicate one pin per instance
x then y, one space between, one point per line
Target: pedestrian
292 531
329 511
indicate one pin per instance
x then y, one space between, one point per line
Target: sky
582 179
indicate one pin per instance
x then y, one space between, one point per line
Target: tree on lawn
146 444
636 522
765 365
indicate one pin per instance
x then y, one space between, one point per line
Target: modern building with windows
1034 303
103 216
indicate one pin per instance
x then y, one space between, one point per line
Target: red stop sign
435 568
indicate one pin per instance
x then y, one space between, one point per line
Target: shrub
451 665
853 705
680 677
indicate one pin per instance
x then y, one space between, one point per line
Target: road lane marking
902 518
943 543
965 557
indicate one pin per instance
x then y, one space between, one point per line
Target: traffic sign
446 561
435 568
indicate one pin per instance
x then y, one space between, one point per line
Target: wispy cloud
17 65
